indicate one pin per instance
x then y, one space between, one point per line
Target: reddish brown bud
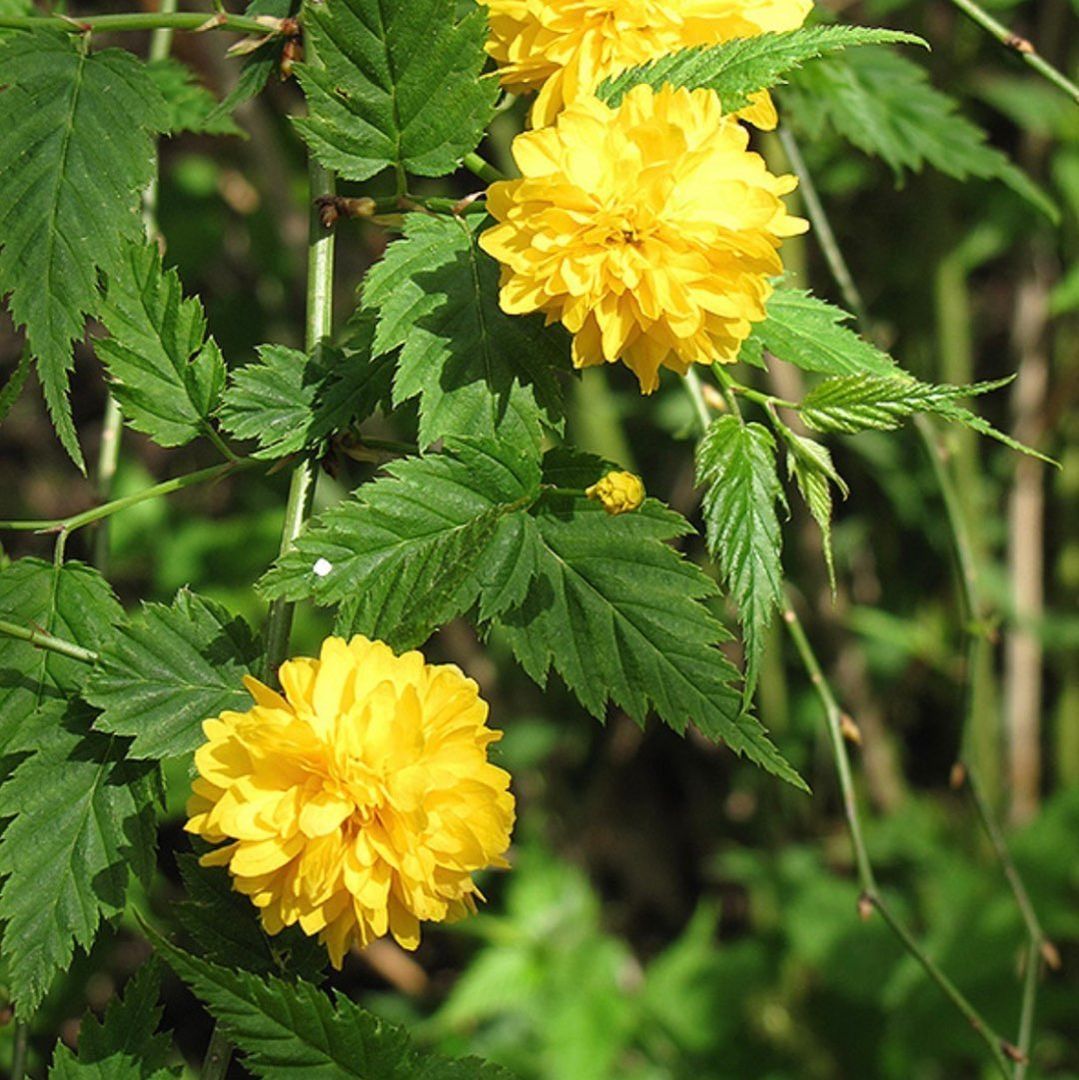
865 907
1013 1053
851 731
1051 955
958 776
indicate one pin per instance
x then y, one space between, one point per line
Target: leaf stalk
68 525
481 168
42 640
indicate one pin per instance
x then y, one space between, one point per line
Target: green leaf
736 462
949 409
259 65
476 370
288 1029
190 106
15 7
404 549
809 333
397 85
740 68
854 403
69 600
13 387
884 104
623 617
812 469
859 403
170 669
512 559
122 1046
166 376
225 926
78 150
83 818
290 401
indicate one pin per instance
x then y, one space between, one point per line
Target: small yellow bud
619 492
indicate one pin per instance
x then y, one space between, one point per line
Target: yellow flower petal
619 492
358 803
650 231
566 48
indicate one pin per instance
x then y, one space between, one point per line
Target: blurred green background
671 911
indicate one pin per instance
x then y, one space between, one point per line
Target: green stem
297 508
301 494
98 513
822 229
962 547
41 640
483 169
998 1047
226 451
1026 1014
188 20
20 1050
693 386
108 457
1035 932
112 424
319 328
978 749
970 598
389 446
726 388
161 39
1020 45
1002 1051
766 401
218 1054
834 718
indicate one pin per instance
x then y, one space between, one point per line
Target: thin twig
974 619
97 513
1001 1050
1019 44
822 229
1042 945
973 613
834 717
1026 1013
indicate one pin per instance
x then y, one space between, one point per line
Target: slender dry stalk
1023 653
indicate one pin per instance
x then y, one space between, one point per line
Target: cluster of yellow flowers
360 801
649 230
565 48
